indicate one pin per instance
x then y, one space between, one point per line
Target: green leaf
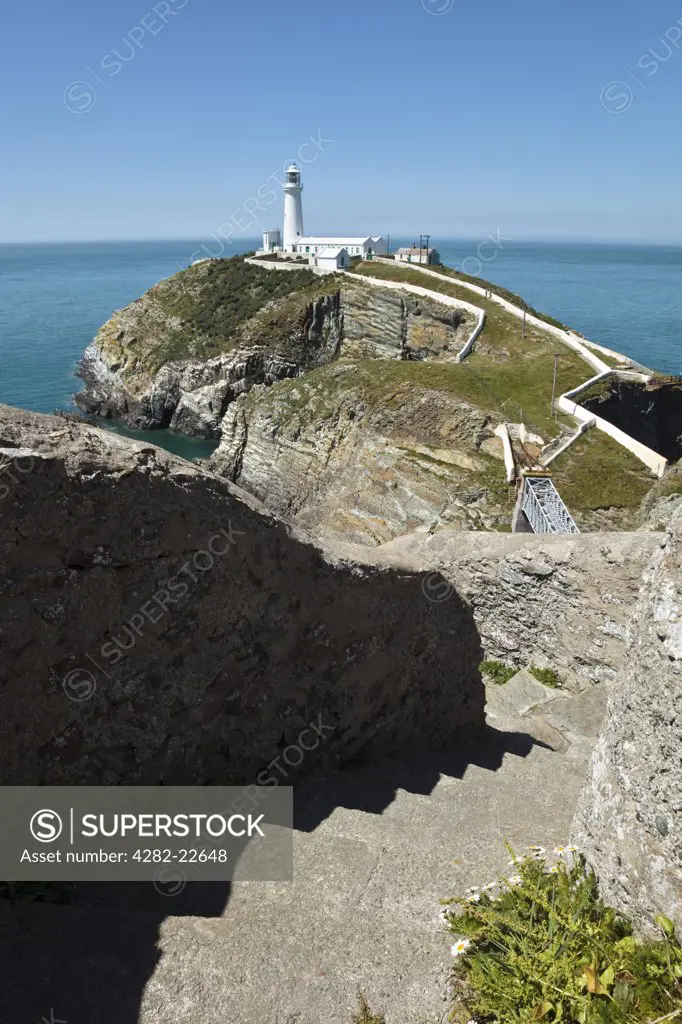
666 925
623 993
607 977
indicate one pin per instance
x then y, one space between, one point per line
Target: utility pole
428 239
556 367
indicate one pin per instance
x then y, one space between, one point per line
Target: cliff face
358 452
384 324
158 625
629 821
180 354
563 602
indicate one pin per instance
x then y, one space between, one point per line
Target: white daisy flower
488 886
560 851
553 870
514 861
571 849
460 947
472 889
515 880
474 898
534 848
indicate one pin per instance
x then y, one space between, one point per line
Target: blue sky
147 119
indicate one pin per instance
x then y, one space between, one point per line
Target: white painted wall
293 211
655 462
567 337
509 460
286 265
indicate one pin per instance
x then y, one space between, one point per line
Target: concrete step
381 845
566 722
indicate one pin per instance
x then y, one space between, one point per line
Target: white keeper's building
330 252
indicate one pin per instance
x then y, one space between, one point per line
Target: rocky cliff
180 354
629 820
368 451
158 625
339 403
384 324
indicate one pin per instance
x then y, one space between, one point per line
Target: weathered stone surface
629 820
191 395
343 460
384 324
157 624
562 602
287 337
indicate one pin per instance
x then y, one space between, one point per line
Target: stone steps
375 849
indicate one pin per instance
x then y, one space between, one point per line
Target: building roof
325 240
332 251
414 252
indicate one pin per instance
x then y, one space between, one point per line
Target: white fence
657 463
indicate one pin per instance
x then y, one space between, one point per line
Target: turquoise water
54 297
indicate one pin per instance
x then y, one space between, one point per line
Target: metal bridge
543 507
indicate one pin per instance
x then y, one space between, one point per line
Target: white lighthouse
293 208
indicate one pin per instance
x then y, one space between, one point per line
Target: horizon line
398 236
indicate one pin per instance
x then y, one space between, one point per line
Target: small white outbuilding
333 257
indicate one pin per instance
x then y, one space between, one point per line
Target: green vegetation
213 298
542 946
669 484
497 672
609 360
496 289
546 676
365 1015
505 370
214 306
598 473
600 391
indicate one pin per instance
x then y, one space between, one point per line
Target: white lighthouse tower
293 208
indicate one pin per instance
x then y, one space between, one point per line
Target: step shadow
90 961
372 787
93 959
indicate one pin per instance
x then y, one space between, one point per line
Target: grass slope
597 473
508 373
506 369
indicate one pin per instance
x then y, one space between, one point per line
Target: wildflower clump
541 946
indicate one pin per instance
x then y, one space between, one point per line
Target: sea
55 296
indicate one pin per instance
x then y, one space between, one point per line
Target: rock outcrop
158 625
180 354
384 324
367 451
629 820
563 602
